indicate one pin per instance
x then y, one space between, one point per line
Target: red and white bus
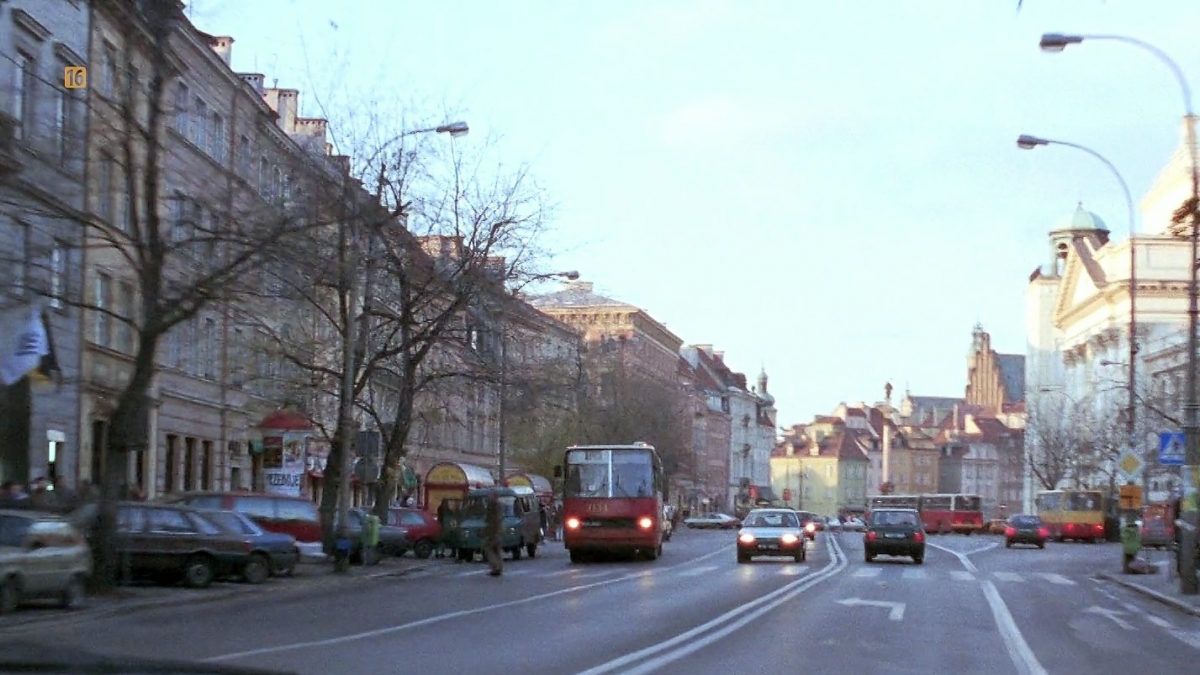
952 513
612 500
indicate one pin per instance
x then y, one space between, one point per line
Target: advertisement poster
284 463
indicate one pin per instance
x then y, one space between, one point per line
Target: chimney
342 162
285 103
223 46
255 80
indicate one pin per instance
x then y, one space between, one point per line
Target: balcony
9 164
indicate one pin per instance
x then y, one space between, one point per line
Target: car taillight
871 536
646 523
1010 531
918 537
572 523
1043 532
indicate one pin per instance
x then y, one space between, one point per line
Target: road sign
1130 465
1131 497
1171 448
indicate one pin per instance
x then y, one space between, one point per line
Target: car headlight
746 538
789 538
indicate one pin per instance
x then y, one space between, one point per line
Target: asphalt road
973 607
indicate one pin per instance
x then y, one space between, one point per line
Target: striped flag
28 350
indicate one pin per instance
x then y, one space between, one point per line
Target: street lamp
502 422
1027 142
1056 42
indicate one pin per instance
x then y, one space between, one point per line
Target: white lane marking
895 609
1158 621
560 573
593 575
697 571
961 575
688 643
867 572
470 574
1018 649
450 616
1111 614
1057 579
1009 576
914 574
793 570
1187 637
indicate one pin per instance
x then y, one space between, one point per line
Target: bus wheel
576 556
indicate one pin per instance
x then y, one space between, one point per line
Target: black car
810 523
1025 529
896 532
277 553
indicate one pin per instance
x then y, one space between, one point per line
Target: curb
1184 607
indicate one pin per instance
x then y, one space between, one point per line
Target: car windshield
1026 521
233 522
898 518
771 519
476 507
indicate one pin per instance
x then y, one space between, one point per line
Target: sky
829 190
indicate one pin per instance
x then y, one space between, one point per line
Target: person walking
492 532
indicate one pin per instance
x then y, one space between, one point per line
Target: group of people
38 495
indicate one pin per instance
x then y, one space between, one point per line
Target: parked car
296 516
1025 529
897 532
770 532
713 521
424 531
393 540
277 554
41 556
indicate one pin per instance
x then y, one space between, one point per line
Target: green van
521 520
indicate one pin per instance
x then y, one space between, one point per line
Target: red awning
286 420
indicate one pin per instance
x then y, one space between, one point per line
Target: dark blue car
276 554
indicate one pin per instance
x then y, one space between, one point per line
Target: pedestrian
1130 544
443 518
493 530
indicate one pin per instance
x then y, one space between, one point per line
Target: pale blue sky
831 189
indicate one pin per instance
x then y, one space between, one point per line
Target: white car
853 525
833 525
713 521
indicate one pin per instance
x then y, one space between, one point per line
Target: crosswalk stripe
1057 579
593 575
868 571
697 571
914 574
793 570
961 575
1008 576
560 573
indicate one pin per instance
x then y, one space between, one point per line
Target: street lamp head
455 129
1027 142
1056 42
571 276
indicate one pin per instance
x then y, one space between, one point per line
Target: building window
125 333
20 258
217 138
181 108
101 296
179 225
108 70
277 185
58 273
23 94
200 125
62 123
244 156
208 361
104 188
264 177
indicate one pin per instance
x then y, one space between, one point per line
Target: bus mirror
558 471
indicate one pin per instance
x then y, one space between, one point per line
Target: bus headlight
572 523
646 523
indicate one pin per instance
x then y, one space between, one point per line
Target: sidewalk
1162 586
309 577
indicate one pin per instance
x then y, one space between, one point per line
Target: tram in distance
612 500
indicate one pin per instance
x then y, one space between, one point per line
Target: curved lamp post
1057 42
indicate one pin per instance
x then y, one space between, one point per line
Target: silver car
770 532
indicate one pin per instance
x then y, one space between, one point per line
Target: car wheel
423 549
868 557
257 569
799 557
1042 545
919 559
10 595
1008 544
199 571
74 595
576 557
743 559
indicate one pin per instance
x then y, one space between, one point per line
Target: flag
47 370
25 345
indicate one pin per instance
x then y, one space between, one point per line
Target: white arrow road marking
868 572
697 571
1009 576
896 609
1111 614
961 575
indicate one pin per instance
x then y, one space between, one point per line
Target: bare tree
179 254
1055 434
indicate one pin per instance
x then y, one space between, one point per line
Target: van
521 521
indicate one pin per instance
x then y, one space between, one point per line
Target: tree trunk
330 487
396 446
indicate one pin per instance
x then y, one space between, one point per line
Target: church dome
1082 219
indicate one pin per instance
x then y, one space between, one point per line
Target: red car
424 531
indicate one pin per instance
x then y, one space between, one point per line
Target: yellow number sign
75 77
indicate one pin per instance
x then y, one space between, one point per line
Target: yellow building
821 467
913 462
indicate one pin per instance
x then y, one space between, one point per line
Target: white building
1077 321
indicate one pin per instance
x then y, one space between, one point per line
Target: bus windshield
606 473
967 503
1082 501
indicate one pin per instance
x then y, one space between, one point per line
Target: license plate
763 547
894 536
1029 532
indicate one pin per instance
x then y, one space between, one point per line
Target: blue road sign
1171 448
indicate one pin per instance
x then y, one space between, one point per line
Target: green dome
1082 219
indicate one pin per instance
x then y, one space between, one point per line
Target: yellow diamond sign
1129 464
